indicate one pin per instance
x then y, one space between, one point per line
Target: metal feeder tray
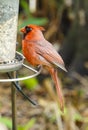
12 65
16 64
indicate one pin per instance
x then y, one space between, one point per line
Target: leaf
25 6
33 20
78 117
6 121
31 83
28 125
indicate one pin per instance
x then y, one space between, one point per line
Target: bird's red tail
57 82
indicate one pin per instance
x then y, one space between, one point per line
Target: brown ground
47 115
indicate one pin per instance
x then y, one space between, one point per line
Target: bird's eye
28 29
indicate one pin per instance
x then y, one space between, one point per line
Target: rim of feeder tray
12 65
16 64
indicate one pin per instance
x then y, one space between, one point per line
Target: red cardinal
39 51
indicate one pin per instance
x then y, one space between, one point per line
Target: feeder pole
14 115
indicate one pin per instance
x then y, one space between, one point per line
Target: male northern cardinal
39 51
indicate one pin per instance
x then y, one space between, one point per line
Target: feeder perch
10 60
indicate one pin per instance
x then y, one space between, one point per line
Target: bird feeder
8 29
10 60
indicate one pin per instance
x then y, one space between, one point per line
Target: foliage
28 125
6 121
29 18
33 20
30 83
25 6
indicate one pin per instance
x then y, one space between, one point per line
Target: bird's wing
47 51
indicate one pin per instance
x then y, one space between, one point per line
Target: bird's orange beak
23 30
